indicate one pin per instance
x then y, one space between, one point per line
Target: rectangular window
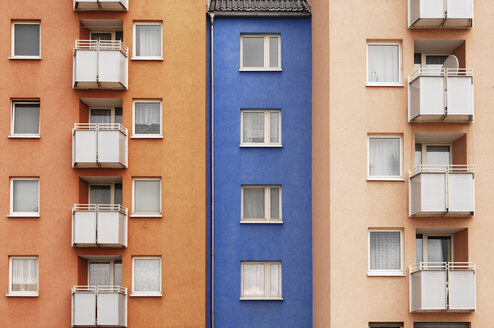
23 276
146 276
26 40
383 64
260 280
260 52
147 119
385 252
441 325
24 197
25 118
146 197
261 204
260 128
385 324
148 41
385 157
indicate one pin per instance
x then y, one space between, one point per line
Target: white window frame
134 56
266 66
424 150
380 272
400 66
22 293
12 51
146 136
267 205
112 268
425 242
267 282
267 128
146 214
147 293
12 118
22 214
384 177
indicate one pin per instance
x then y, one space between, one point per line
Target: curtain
273 52
253 127
253 279
118 115
99 273
438 249
383 63
118 194
26 118
253 51
147 196
385 251
384 156
254 203
100 116
25 196
147 275
26 40
147 118
275 203
274 129
117 273
274 276
148 40
25 275
99 194
438 155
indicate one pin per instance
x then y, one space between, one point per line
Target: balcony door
105 193
432 154
105 273
105 115
101 36
434 248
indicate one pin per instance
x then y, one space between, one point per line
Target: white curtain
384 156
274 119
253 51
385 252
253 279
147 118
383 63
99 273
117 273
99 194
147 275
273 52
275 203
25 275
147 196
253 127
25 198
148 40
438 155
438 249
274 276
254 203
26 118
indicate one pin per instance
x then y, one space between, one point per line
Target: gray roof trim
274 8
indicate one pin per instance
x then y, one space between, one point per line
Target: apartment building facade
103 181
260 107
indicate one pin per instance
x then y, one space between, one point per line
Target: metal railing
99 289
101 127
440 168
98 45
100 208
445 266
444 72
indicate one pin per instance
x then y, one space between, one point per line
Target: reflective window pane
26 39
253 51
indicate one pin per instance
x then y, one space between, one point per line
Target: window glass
438 155
147 275
118 194
253 127
147 196
118 115
100 116
384 156
99 273
273 52
261 280
385 250
253 51
419 251
148 40
383 63
100 194
26 41
24 275
25 196
253 279
275 127
438 248
147 118
117 273
274 283
418 154
275 203
254 203
26 118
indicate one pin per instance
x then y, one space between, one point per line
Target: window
146 276
441 325
25 118
105 273
147 119
105 193
433 154
434 248
147 41
23 276
260 52
261 204
385 324
106 115
24 197
385 252
385 157
26 40
261 280
147 197
260 128
383 64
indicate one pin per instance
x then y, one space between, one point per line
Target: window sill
146 295
25 58
22 295
260 69
23 137
386 179
386 274
23 216
260 146
384 84
137 215
146 137
147 58
261 221
244 298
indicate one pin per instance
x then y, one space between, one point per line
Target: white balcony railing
442 286
99 306
99 145
100 64
103 225
101 5
441 94
442 190
440 13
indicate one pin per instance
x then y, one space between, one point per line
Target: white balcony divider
440 13
442 286
103 225
441 94
101 5
99 145
100 64
99 306
442 190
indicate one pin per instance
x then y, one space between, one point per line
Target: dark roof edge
259 13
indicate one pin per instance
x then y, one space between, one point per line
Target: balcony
442 190
101 5
99 145
99 306
100 64
441 13
442 286
99 225
441 94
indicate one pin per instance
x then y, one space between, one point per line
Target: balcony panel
112 148
84 148
459 99
427 99
84 228
461 193
428 290
84 308
462 290
112 309
460 14
428 194
441 13
101 5
112 229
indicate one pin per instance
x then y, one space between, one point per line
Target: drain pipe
212 163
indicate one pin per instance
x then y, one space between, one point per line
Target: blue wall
289 166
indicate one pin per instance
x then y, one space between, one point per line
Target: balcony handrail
99 289
101 127
101 45
100 208
441 168
444 72
447 266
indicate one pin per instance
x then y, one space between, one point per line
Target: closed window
147 119
385 324
385 157
24 197
25 118
260 52
261 280
23 274
146 276
147 197
441 325
261 204
385 252
383 64
148 41
26 40
261 128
